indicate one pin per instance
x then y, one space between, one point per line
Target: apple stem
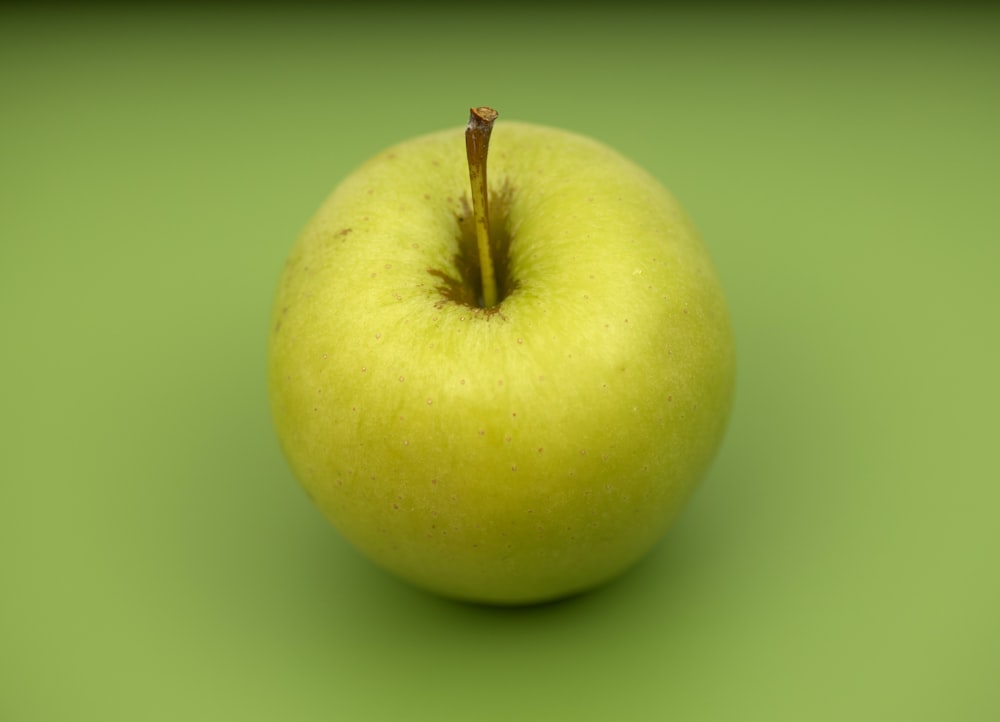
477 144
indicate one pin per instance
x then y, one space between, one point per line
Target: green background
157 560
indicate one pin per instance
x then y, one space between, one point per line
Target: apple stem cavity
477 144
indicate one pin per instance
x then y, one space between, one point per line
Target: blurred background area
156 558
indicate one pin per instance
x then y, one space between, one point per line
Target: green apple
512 448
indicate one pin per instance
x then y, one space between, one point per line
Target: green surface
158 562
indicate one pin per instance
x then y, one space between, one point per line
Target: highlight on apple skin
511 452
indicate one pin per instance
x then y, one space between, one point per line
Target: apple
500 389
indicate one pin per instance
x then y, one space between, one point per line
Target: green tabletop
158 560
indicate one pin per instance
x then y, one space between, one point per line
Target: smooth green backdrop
157 560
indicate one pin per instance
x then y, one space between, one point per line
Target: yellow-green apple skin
518 454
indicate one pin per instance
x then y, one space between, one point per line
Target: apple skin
520 454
